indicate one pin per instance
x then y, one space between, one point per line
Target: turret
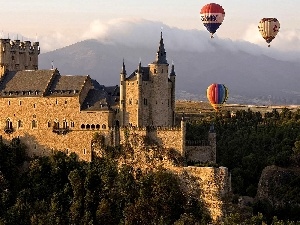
161 55
172 78
139 78
122 93
36 52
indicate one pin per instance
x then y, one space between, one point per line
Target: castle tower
147 93
16 55
122 94
160 96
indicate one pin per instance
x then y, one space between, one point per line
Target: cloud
141 32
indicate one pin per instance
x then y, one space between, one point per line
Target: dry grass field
193 109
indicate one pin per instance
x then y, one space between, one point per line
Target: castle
48 111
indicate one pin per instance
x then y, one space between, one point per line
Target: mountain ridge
248 77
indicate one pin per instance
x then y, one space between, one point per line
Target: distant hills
251 76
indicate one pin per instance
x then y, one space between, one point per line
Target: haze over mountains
253 74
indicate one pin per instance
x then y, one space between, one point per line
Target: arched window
93 126
82 126
8 124
103 126
87 126
97 126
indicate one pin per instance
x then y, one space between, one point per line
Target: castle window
84 151
65 124
67 151
103 126
130 101
162 70
72 124
97 126
8 124
20 124
93 126
8 102
168 102
145 101
34 105
33 124
56 102
20 102
12 58
87 126
49 124
66 102
82 126
34 116
137 101
56 125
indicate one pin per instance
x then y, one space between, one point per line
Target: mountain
250 75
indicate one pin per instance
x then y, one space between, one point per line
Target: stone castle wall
33 120
163 136
215 188
200 153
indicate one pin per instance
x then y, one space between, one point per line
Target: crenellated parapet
18 55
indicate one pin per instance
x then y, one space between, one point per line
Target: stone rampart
167 137
200 154
215 188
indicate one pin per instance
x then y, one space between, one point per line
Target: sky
58 23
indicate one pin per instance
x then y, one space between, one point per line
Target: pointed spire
139 70
172 70
161 56
123 71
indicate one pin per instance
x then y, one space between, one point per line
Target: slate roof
101 99
25 82
67 85
145 74
40 83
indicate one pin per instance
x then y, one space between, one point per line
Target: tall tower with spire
147 96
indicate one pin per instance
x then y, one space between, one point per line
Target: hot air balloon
212 16
268 28
217 95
